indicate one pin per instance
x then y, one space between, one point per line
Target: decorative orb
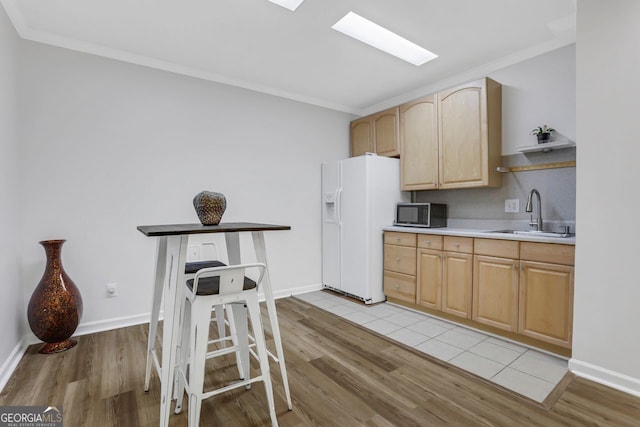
210 207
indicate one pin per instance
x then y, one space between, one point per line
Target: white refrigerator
359 197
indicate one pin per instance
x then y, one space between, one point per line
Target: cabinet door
400 238
400 286
546 302
401 259
457 284
495 292
429 280
361 137
419 144
469 144
385 133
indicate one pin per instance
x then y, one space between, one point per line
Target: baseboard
7 368
606 377
294 291
109 324
106 325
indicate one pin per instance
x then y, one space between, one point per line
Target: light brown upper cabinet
361 136
470 134
419 144
385 133
377 133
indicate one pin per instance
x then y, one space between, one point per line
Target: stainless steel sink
535 233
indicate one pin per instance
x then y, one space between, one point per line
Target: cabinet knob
457 245
397 259
397 286
427 242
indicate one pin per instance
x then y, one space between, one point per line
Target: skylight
374 35
289 4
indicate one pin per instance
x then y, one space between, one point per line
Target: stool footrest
232 386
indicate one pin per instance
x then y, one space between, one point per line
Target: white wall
606 342
11 300
109 146
538 91
535 92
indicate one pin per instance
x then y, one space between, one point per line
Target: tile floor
526 371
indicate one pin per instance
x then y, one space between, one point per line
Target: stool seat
211 285
193 266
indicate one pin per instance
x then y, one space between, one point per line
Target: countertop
485 234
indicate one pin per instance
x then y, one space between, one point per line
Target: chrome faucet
529 208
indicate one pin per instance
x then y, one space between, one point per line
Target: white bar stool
209 288
190 270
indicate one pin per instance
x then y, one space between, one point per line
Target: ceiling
261 46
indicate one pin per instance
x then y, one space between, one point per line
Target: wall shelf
555 165
545 148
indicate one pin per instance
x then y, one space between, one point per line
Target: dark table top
223 227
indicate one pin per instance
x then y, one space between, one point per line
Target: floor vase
55 307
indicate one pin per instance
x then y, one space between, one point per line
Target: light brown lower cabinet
495 283
522 288
429 283
546 302
457 284
400 286
495 292
457 279
400 266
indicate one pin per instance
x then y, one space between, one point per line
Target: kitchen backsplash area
485 207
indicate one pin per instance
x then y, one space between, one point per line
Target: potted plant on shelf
543 133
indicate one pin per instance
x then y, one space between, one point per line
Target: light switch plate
512 205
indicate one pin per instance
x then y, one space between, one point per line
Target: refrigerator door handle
339 206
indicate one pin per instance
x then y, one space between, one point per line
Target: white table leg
232 241
158 286
261 256
173 293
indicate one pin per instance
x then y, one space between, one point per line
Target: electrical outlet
112 290
512 205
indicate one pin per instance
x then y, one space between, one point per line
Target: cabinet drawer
401 259
548 252
458 244
400 239
497 248
430 241
400 286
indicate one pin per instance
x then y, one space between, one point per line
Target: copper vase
55 308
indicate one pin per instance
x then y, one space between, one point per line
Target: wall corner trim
606 377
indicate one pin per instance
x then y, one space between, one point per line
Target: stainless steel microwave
431 215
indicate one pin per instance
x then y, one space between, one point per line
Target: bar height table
169 278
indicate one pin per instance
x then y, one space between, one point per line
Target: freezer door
331 225
354 219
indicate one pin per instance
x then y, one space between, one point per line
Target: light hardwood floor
340 375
